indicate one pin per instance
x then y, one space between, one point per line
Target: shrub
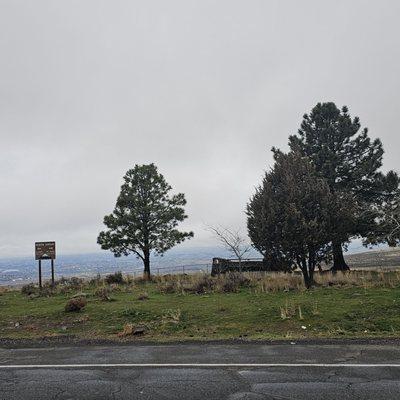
232 282
63 285
75 304
29 289
74 282
96 281
116 278
202 284
47 291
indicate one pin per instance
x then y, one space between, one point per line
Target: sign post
40 274
45 251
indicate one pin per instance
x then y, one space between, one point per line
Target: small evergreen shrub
75 304
116 278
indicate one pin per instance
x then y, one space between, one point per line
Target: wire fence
204 268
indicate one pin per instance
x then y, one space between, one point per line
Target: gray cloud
201 88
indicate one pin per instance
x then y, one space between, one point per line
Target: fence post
183 269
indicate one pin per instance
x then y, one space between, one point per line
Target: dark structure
223 265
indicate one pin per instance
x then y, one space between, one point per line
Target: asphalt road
202 371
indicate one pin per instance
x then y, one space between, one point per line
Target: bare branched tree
233 240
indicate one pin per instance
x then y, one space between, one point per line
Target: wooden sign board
45 250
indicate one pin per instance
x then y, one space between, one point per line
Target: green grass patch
323 312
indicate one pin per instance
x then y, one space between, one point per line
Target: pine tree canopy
341 152
350 161
145 217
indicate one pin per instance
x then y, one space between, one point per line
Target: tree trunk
339 264
146 262
308 274
308 280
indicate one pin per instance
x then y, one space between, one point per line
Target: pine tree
145 217
289 215
349 161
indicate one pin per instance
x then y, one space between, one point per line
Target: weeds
130 329
103 293
143 296
287 311
172 316
169 286
290 311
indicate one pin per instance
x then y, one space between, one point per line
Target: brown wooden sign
45 250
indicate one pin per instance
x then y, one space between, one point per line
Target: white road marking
196 365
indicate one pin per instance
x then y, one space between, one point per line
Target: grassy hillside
199 308
387 258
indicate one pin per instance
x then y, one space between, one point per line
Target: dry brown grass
365 279
277 282
103 293
369 279
3 290
202 284
132 330
291 310
258 282
143 296
273 282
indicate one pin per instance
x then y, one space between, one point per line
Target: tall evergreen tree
289 215
145 217
349 161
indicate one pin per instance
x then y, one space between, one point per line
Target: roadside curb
77 342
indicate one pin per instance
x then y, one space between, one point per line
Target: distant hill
386 258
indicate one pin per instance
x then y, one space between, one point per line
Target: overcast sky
202 88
